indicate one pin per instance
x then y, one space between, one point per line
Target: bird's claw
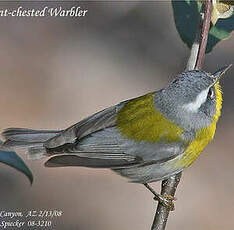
166 201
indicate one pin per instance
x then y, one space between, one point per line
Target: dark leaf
186 15
13 160
220 31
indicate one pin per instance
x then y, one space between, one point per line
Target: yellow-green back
140 121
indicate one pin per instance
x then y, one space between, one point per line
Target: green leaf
186 15
220 31
13 160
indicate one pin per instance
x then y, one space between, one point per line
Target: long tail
31 140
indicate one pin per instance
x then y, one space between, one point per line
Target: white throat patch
196 104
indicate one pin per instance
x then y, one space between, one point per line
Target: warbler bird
145 139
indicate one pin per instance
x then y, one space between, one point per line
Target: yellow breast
203 136
140 121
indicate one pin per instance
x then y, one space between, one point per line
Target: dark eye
211 93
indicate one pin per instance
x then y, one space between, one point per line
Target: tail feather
31 140
11 145
28 135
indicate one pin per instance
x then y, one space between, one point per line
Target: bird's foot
166 201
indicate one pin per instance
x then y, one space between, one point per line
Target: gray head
190 100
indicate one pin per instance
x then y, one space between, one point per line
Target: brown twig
195 62
204 33
168 188
199 45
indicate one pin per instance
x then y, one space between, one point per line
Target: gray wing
68 148
104 119
108 148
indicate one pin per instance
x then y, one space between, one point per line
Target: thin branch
168 188
204 34
195 47
194 62
199 45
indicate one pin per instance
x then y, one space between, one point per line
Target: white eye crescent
197 102
211 93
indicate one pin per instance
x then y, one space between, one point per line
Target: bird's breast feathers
203 136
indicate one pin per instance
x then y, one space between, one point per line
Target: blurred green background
56 71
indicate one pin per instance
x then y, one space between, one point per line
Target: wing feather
93 162
104 119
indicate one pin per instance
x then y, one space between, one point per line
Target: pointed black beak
218 74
